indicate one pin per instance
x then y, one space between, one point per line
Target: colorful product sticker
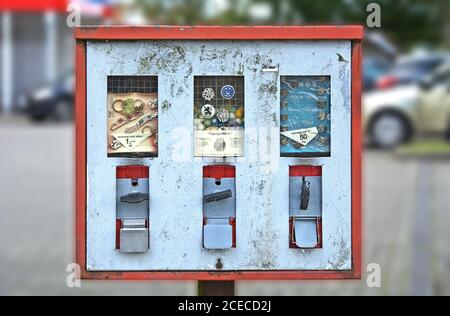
219 117
227 91
132 125
305 115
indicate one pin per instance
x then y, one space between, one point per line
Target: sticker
128 141
227 92
208 94
305 116
208 111
220 144
223 116
302 136
218 116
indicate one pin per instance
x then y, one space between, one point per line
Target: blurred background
406 106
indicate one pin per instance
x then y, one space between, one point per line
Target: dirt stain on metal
165 106
269 88
164 57
209 54
256 62
341 59
275 120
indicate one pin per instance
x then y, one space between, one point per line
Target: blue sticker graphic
305 116
227 92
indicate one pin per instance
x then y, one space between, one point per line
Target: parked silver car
391 117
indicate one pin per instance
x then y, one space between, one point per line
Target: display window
132 116
305 116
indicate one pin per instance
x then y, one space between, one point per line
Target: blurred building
37 44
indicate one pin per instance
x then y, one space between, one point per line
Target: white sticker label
131 141
302 136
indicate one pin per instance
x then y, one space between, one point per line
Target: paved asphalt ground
406 219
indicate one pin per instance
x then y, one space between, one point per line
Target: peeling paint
165 105
207 54
269 88
256 62
164 57
341 59
275 120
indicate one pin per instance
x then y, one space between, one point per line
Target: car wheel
389 130
63 111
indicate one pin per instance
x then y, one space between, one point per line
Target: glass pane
305 116
132 116
219 116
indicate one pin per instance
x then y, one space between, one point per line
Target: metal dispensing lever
217 196
304 194
134 197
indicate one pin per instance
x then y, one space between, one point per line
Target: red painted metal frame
353 33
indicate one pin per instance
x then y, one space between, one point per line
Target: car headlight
41 94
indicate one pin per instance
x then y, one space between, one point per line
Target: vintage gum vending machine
218 153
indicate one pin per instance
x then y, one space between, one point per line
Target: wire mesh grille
216 83
132 84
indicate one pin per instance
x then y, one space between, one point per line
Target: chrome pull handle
217 196
304 195
134 197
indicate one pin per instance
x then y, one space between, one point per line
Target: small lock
321 104
305 194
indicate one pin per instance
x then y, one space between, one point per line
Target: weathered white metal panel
262 177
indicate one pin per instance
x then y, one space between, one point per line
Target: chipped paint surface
262 178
